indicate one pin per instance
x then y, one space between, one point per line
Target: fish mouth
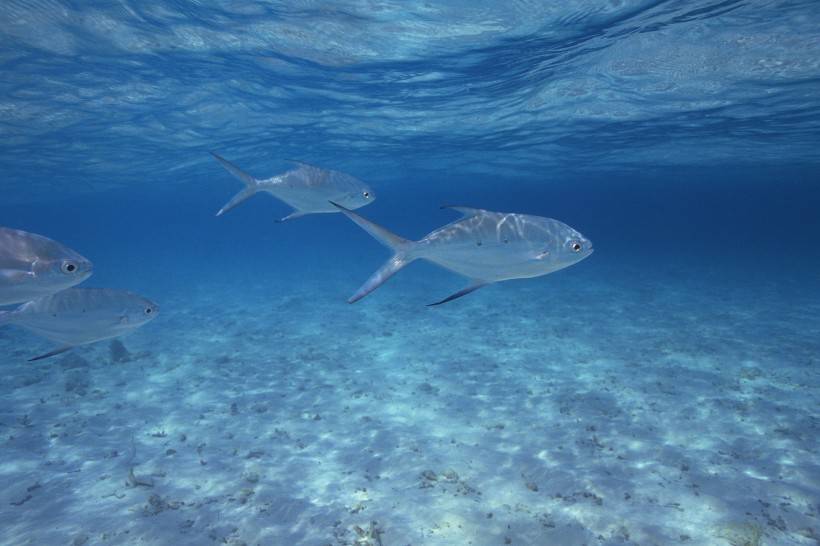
84 269
81 278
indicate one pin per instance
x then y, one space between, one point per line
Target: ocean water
664 391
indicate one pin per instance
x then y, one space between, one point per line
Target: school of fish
41 274
483 246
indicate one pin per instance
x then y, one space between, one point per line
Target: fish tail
385 237
390 268
403 253
251 184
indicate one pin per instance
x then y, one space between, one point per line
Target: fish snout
86 267
587 248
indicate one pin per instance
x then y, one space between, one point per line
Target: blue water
663 391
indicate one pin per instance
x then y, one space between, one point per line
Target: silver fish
484 246
32 266
78 316
306 188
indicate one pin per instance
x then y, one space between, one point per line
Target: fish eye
68 267
576 246
148 310
366 194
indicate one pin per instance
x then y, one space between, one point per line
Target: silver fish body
307 188
33 266
78 316
496 246
484 246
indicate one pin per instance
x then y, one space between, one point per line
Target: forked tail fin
390 268
402 249
251 184
387 238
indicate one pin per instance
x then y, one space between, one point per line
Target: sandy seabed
656 409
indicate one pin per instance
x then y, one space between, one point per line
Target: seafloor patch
651 410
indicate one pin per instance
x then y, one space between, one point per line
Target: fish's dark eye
148 310
69 267
366 195
576 247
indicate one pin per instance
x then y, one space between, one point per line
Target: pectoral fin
49 354
463 292
14 275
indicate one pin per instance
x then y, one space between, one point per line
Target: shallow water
663 391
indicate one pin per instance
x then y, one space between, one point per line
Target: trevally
484 246
78 316
306 188
32 266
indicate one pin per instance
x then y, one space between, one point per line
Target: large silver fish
306 188
32 266
484 246
78 316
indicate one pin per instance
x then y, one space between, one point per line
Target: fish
78 316
484 246
32 266
307 188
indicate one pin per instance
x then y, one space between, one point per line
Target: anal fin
49 354
463 292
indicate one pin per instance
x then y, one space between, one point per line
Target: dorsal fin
465 211
302 164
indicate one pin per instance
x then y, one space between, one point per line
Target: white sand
670 409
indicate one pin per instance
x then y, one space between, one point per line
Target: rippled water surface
117 93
